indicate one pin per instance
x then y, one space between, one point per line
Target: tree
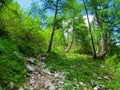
93 46
53 29
54 6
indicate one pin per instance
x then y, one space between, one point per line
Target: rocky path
41 78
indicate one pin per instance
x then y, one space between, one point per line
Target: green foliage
84 69
12 64
23 34
113 69
79 67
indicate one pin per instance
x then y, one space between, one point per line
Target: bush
29 48
113 69
12 65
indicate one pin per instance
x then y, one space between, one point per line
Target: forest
60 45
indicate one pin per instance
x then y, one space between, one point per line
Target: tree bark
104 39
92 41
69 46
53 29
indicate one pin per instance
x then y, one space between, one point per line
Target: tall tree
92 40
53 29
105 16
54 6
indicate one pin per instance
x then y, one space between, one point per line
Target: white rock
12 85
46 71
32 81
60 82
94 74
52 87
102 66
30 68
81 83
96 88
99 78
48 83
106 77
56 75
31 60
43 58
21 88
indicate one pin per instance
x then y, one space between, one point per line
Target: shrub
12 65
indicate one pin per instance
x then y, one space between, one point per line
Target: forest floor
69 72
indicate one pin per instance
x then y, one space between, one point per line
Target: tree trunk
104 46
104 39
73 38
69 46
93 46
53 29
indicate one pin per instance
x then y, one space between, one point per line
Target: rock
48 83
42 56
12 85
81 83
102 66
102 87
30 60
52 87
96 88
46 71
60 82
56 75
106 77
21 88
30 68
94 75
99 78
62 76
41 64
32 81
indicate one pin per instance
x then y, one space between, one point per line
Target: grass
84 68
12 65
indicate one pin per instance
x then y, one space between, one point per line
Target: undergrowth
12 65
83 68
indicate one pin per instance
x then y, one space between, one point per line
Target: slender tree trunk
71 42
53 29
69 46
104 39
93 46
73 38
104 45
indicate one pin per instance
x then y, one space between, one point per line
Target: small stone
81 83
46 71
94 74
30 68
106 77
12 85
99 78
48 84
21 88
96 88
52 87
30 60
56 75
102 66
60 82
43 58
32 81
